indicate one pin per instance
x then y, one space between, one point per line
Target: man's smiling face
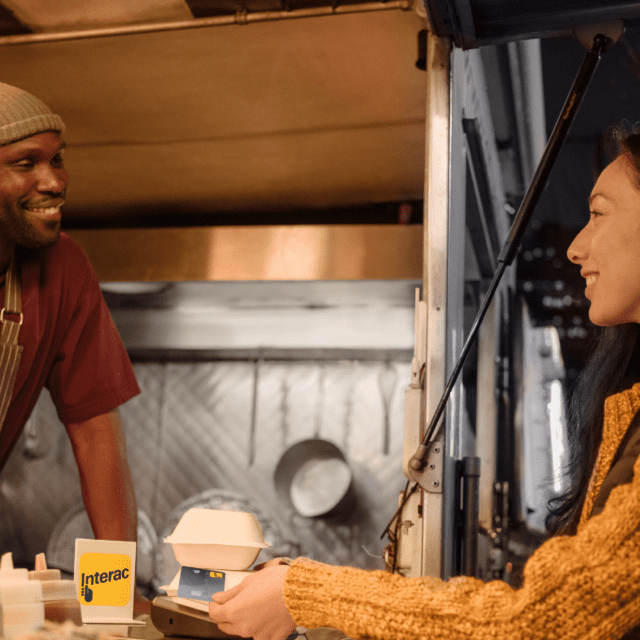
33 184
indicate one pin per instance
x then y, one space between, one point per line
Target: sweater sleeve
583 586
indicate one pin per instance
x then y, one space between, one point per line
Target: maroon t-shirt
71 345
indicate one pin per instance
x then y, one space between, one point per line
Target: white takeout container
214 539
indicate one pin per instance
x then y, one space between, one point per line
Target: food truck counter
166 619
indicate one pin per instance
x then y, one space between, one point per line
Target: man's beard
18 230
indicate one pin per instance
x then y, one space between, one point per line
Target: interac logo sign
105 579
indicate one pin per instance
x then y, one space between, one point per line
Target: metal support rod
470 507
511 246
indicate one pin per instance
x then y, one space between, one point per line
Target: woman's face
608 248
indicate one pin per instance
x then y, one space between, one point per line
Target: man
69 342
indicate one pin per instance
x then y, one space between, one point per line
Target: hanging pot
313 478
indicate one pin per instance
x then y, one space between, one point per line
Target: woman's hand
255 608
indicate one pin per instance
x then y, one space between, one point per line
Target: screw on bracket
427 472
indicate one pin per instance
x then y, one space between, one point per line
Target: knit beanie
23 115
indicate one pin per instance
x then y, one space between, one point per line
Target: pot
314 479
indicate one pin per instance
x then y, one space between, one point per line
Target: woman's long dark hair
614 365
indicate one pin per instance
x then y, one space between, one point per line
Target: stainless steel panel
205 427
35 492
195 428
142 418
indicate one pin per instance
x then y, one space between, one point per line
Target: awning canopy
472 23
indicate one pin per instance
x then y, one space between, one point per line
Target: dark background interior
551 284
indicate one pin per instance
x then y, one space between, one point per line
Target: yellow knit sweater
585 586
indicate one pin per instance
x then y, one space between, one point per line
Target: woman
584 582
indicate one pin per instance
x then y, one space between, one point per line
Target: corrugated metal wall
214 432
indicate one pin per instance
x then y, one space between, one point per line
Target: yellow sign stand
105 579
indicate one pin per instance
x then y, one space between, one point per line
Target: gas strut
512 243
600 44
